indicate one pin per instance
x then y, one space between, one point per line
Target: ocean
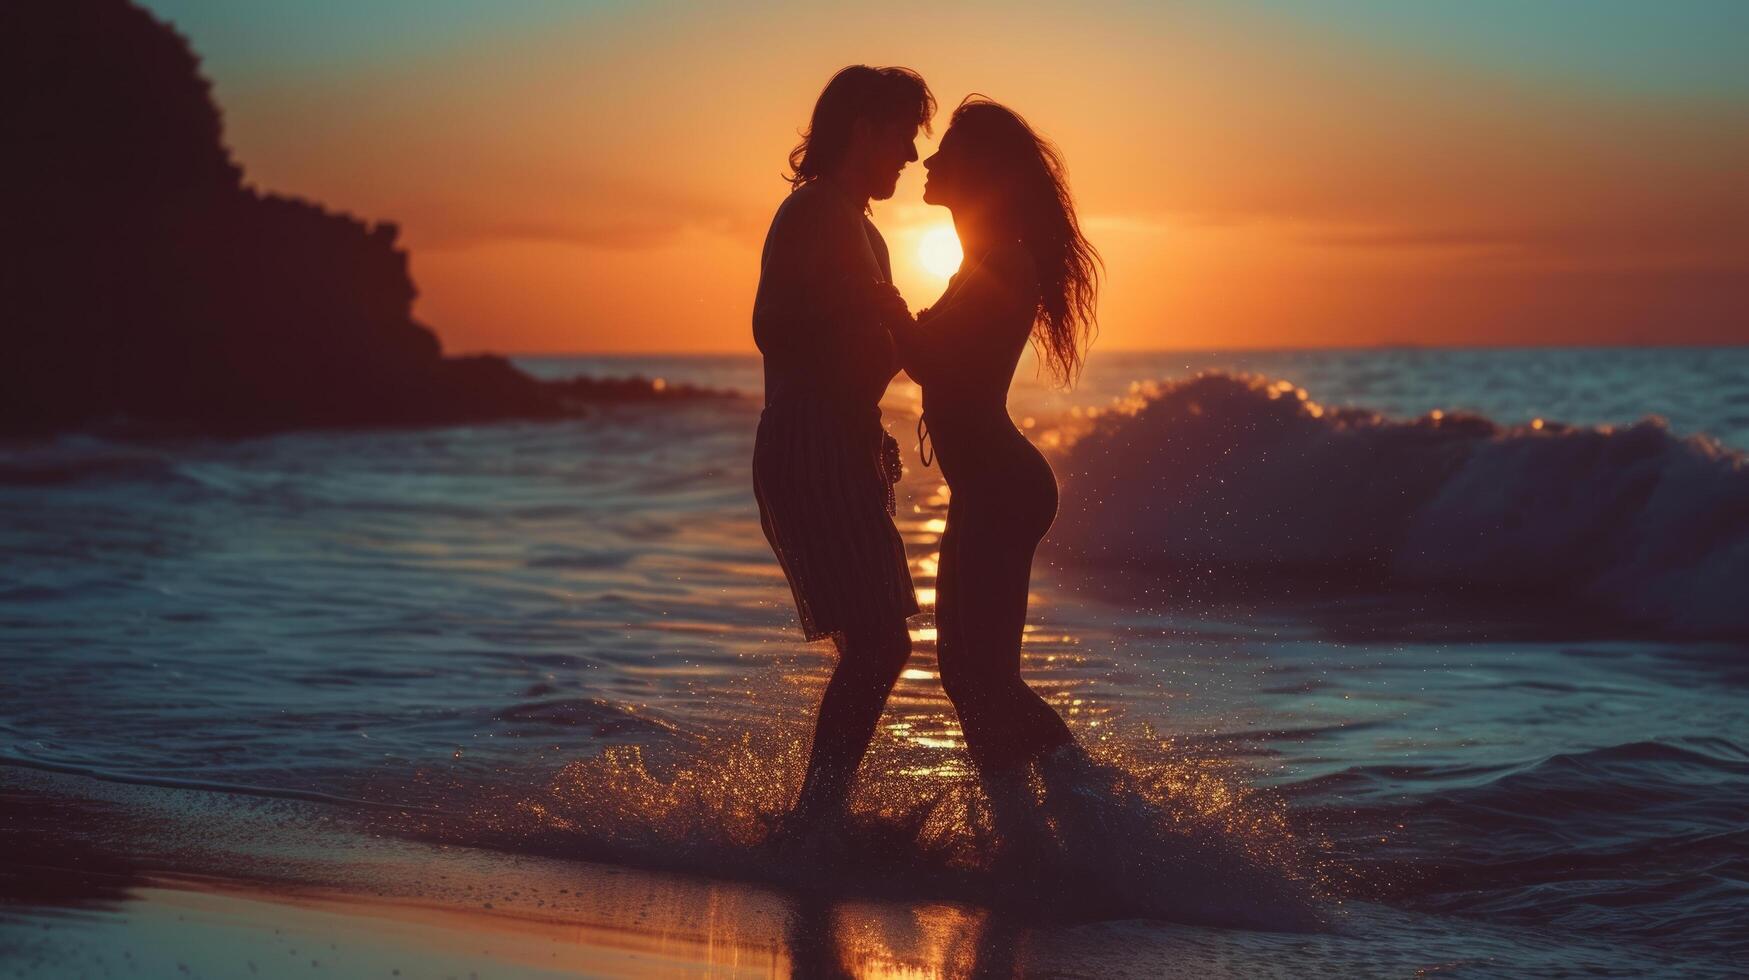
1456 641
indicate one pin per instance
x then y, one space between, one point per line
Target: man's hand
889 306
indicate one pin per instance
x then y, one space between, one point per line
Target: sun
938 251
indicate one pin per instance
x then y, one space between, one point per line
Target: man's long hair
880 95
1041 211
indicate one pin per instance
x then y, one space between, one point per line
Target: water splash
1130 828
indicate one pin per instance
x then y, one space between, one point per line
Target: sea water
579 623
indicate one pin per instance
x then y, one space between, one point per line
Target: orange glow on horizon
603 182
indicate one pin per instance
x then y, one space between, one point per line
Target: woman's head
866 118
1008 182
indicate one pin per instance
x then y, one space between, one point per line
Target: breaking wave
1232 479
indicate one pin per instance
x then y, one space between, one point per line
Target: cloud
1696 238
613 215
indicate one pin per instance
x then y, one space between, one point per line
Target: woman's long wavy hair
856 92
1035 203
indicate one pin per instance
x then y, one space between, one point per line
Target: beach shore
143 881
129 880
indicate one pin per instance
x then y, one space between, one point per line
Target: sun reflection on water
1137 812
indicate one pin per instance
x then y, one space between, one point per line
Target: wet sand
132 881
353 906
563 919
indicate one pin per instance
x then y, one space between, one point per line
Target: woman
1029 274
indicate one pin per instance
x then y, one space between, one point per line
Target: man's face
891 146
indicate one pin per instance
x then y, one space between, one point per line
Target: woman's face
950 182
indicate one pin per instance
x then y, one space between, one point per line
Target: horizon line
1289 348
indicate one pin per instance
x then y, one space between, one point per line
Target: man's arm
882 310
817 298
781 307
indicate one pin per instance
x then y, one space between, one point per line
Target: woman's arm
972 315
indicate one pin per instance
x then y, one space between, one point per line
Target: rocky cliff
142 278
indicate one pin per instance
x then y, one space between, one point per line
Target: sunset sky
598 176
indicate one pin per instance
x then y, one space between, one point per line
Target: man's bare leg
869 662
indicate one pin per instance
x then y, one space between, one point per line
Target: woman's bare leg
1006 723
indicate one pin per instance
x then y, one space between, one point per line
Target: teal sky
1670 48
274 38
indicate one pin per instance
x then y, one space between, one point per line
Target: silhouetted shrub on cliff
140 277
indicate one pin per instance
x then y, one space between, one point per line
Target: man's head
864 129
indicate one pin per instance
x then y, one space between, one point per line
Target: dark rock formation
141 278
633 389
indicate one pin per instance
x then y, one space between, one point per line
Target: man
823 465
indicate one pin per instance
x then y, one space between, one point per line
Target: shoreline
222 928
150 882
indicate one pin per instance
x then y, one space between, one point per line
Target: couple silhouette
834 331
